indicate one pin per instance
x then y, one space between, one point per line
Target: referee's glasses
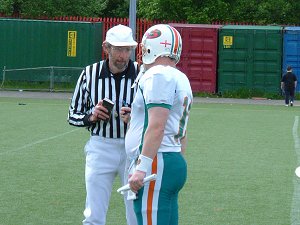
122 49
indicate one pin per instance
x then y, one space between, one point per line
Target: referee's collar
129 72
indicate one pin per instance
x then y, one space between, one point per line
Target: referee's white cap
120 35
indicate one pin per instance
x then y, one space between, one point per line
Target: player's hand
100 113
125 114
136 180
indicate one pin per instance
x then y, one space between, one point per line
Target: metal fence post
132 23
51 78
3 77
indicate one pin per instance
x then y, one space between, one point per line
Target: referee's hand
100 113
125 114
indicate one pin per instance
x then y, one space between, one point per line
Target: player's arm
157 117
183 142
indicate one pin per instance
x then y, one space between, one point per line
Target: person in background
105 150
288 86
157 132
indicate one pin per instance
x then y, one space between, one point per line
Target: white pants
105 158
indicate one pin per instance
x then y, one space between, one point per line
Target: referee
105 151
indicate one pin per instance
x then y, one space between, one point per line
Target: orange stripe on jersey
176 44
151 193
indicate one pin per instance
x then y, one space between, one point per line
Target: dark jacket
289 80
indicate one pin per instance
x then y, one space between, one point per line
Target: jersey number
183 119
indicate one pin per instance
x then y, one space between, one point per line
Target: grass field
241 162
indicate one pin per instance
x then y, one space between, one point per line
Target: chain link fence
50 78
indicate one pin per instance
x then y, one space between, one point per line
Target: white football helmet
161 40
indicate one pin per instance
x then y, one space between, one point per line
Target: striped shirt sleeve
78 109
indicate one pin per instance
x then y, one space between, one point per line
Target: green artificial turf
241 161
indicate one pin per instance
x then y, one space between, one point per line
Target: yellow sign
71 45
227 41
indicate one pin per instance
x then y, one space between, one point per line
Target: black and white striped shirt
95 83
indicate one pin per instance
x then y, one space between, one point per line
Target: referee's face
119 58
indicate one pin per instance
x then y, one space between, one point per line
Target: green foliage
205 94
207 11
193 11
5 6
110 8
250 93
243 93
50 8
163 9
266 12
183 10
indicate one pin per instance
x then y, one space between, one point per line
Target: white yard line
295 210
38 142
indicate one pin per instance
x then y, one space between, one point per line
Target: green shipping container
38 43
250 58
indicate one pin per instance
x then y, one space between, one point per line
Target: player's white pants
105 158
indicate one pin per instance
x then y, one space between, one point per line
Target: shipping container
291 51
250 57
199 55
37 44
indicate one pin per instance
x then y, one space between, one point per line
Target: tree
163 9
51 8
208 11
192 11
261 12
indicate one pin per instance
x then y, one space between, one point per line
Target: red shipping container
199 55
